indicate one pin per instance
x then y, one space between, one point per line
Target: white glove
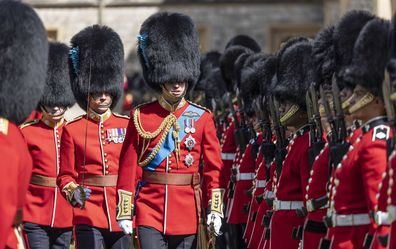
216 219
125 225
78 196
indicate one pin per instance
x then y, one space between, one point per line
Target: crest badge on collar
116 135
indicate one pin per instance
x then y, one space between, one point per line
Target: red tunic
104 137
259 184
9 189
356 182
240 199
228 154
15 137
170 209
291 186
392 197
258 228
44 204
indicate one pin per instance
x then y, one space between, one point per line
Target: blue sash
168 146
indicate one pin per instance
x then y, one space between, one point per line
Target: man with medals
48 217
24 58
91 144
292 175
168 139
354 210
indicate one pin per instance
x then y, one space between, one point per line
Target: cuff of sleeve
69 190
216 202
124 205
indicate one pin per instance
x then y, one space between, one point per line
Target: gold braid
165 126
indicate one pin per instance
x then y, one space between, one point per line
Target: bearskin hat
215 87
96 64
247 74
345 34
57 90
295 72
250 83
209 61
323 56
227 64
24 58
244 41
370 56
168 50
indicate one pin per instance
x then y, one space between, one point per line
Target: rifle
341 146
238 135
389 102
316 129
280 134
267 146
244 131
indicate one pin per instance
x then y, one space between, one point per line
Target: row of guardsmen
105 180
306 136
305 159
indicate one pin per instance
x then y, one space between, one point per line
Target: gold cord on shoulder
165 127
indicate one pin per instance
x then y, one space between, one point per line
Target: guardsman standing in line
262 75
24 57
292 83
168 139
47 216
391 192
352 214
91 144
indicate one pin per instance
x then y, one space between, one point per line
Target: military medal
188 160
116 135
189 125
190 142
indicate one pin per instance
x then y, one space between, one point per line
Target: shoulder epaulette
75 119
143 104
120 115
4 126
28 123
199 106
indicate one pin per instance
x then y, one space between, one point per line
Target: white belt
227 156
245 176
343 220
287 205
382 218
260 183
268 194
310 207
392 213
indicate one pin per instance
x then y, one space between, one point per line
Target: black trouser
88 237
236 236
45 237
151 238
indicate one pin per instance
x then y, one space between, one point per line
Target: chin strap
365 100
289 114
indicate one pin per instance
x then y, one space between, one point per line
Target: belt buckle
310 206
275 205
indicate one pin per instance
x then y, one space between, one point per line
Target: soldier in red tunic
168 139
391 191
24 57
91 144
353 213
292 83
47 216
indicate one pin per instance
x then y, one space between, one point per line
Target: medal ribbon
169 144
